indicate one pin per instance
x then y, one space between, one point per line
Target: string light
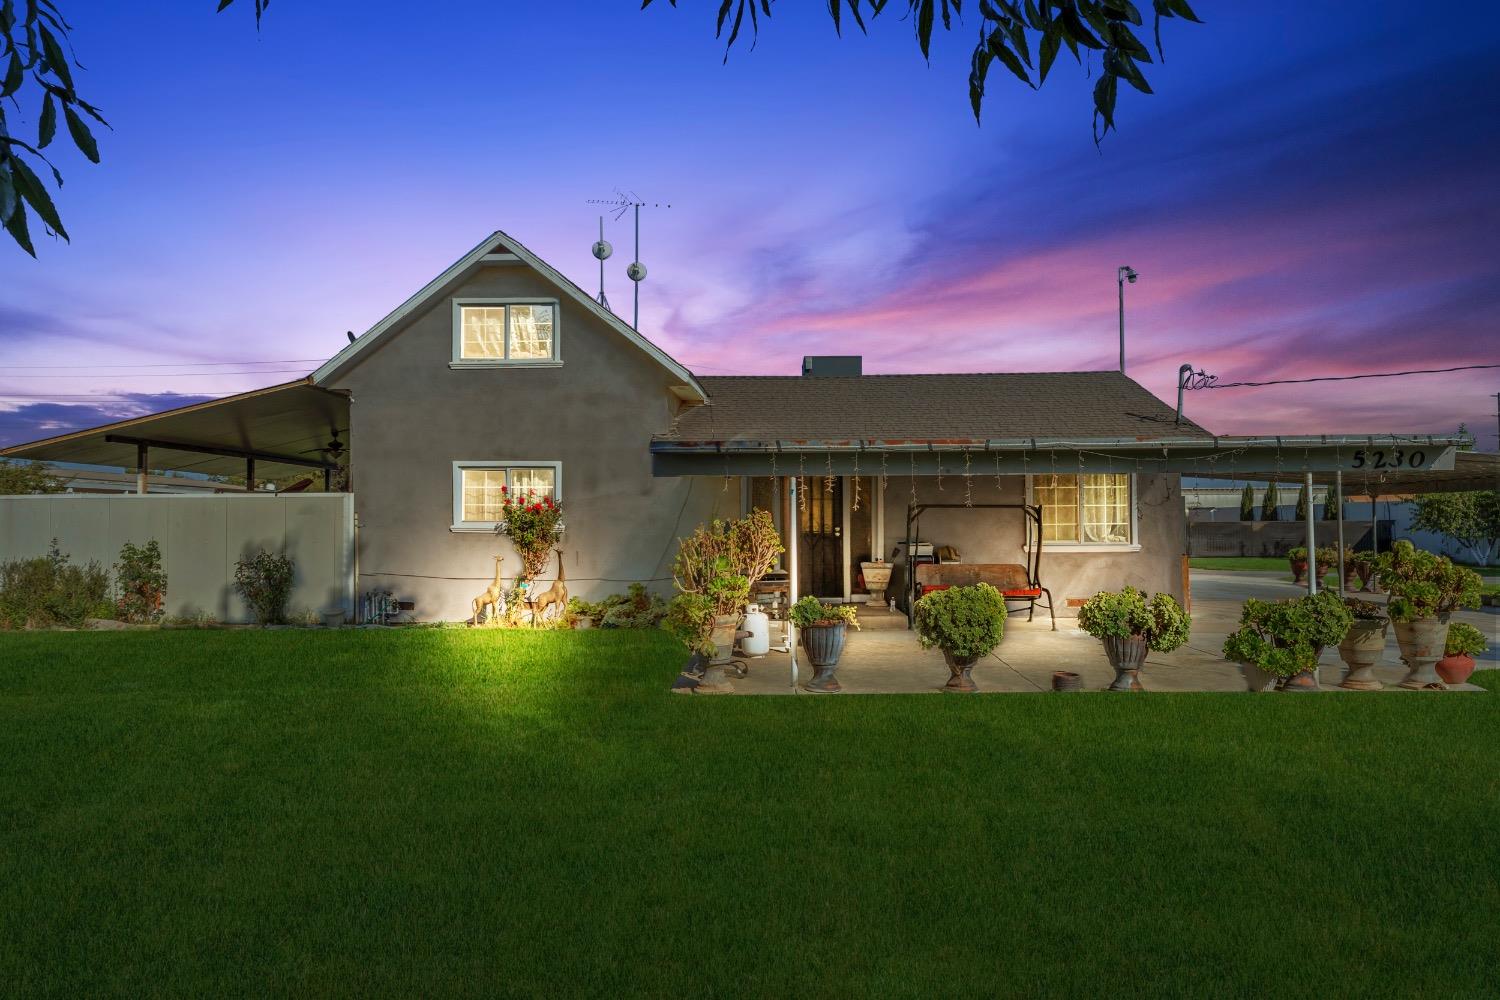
884 477
913 477
968 482
856 480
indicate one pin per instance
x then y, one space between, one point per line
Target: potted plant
690 619
1285 639
1424 590
823 630
722 561
966 623
1129 625
1362 565
1362 644
1464 643
1327 557
1298 559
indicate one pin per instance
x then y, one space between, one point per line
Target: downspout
791 590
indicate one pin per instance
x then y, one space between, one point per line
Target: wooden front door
820 533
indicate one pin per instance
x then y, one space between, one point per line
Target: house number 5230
1389 460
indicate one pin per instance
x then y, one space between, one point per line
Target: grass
442 812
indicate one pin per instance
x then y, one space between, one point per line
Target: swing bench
1016 582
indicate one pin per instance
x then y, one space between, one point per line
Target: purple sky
1307 197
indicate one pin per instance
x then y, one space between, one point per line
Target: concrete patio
885 658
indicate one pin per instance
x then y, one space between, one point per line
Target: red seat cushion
1025 592
928 588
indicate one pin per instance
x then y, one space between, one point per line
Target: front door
820 532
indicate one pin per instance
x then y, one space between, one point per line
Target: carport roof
284 427
1471 470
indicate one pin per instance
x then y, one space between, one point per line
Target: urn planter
1257 679
1299 569
1421 643
1360 651
1127 656
725 630
1455 669
960 680
824 644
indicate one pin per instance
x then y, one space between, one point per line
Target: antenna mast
636 271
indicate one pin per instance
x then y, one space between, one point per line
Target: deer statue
493 597
557 594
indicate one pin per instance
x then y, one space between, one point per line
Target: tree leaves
82 137
47 126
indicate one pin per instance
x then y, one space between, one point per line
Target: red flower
505 489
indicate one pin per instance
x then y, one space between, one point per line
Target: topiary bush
964 622
1423 586
1126 613
265 580
1286 637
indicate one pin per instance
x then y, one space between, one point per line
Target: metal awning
1471 470
274 431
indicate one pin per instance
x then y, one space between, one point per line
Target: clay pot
1421 645
959 668
1299 569
824 645
1360 651
1455 669
1066 680
1127 656
1301 681
1257 679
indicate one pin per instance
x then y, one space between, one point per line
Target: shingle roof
1082 405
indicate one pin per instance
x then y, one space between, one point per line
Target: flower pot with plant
1285 639
720 562
1129 625
1362 565
1424 590
823 630
1362 644
1464 643
966 623
1297 558
1327 557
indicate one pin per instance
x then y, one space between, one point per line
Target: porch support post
1312 538
1338 486
249 474
327 480
791 592
140 467
1374 527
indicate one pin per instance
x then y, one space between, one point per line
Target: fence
201 538
1274 538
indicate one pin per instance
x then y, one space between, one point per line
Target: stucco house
502 372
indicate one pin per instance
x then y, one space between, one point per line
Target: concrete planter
1360 651
1421 645
1127 656
960 680
1257 679
1455 669
726 627
824 644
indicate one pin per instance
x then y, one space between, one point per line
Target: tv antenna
621 203
602 251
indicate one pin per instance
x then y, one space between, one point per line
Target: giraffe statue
493 598
557 594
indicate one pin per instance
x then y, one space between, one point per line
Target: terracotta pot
1299 569
1257 679
1302 680
1066 680
1421 645
824 645
1455 669
959 669
1127 656
1360 651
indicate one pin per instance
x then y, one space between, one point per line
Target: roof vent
827 365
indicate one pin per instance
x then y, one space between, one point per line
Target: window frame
458 359
1134 543
459 524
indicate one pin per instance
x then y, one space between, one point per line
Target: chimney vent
832 365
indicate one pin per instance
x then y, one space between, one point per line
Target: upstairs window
489 333
1084 510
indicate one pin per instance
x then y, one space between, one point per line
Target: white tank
758 642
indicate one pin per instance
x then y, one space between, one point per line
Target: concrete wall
412 417
999 535
201 538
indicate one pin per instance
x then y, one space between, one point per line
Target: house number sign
1395 458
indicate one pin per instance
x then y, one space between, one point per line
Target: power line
251 371
1337 378
186 364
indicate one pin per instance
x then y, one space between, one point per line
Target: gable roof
937 408
500 242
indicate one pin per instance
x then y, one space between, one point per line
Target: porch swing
1016 581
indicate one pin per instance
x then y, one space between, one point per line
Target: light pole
1123 275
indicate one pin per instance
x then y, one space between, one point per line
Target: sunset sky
1308 194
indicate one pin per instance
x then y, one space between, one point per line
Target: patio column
249 474
791 591
1312 538
140 467
1338 486
1374 527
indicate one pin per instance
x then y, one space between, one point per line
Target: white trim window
480 489
1086 510
495 333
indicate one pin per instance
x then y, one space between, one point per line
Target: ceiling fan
332 450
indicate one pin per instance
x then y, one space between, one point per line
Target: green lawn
441 812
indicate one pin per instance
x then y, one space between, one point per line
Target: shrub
49 591
690 619
1464 640
964 622
264 581
1422 585
141 582
531 524
1247 503
1285 637
1365 611
579 608
1120 615
1327 556
1297 554
637 609
1270 504
723 560
811 611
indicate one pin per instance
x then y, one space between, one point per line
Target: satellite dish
602 250
636 271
